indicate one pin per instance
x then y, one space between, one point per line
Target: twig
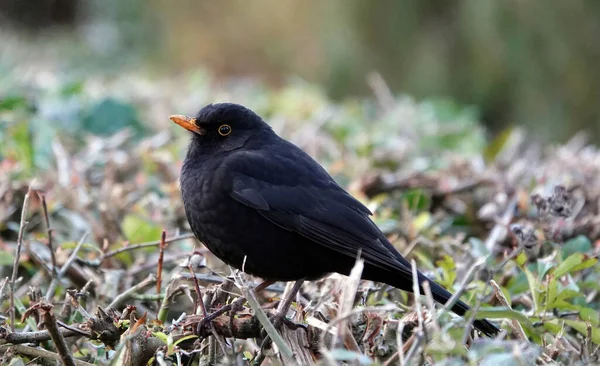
2 287
514 323
420 327
399 354
238 302
170 292
119 300
272 287
382 92
200 304
17 255
148 297
199 300
503 224
65 267
286 352
148 266
49 230
161 257
34 337
430 304
282 310
74 329
463 285
283 307
39 352
328 328
471 319
145 245
50 323
347 298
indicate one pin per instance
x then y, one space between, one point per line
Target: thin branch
289 295
17 256
420 328
39 352
200 304
145 245
514 323
65 267
34 337
285 351
463 285
50 323
161 257
119 300
347 298
49 231
503 224
237 303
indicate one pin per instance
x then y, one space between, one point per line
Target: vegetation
90 220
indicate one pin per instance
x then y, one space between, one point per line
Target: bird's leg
234 305
284 306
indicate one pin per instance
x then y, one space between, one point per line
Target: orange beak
188 123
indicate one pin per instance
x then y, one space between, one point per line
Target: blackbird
262 205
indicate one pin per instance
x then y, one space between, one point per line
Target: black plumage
261 204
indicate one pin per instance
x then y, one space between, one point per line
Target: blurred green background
529 63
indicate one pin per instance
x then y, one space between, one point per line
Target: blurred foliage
86 113
527 63
111 139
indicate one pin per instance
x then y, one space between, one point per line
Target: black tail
442 296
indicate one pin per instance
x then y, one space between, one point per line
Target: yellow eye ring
224 130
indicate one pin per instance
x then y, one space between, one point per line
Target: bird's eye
224 130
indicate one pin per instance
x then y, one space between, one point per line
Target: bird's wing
303 198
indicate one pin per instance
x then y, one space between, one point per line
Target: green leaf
185 338
138 230
42 135
587 263
10 103
543 268
479 248
591 315
21 138
110 116
552 292
566 294
162 336
533 287
521 259
503 312
581 327
497 145
448 267
86 246
416 199
6 258
579 244
553 326
574 262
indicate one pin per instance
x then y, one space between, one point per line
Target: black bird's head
222 127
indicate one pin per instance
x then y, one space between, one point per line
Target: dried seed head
525 235
561 202
541 204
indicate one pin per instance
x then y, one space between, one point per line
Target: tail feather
442 296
